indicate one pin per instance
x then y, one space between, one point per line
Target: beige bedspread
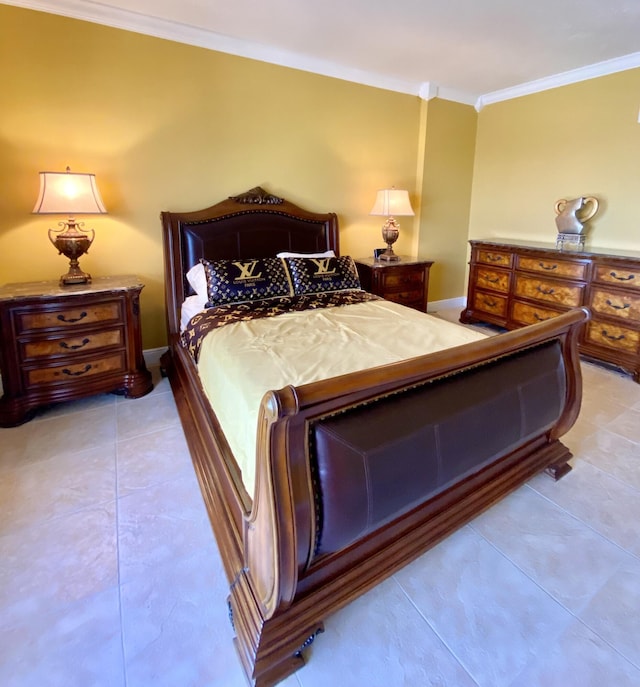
240 362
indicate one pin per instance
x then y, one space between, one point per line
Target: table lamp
390 202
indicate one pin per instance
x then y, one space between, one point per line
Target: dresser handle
618 307
612 338
66 371
615 276
492 281
546 267
494 258
64 344
547 292
62 318
540 319
491 304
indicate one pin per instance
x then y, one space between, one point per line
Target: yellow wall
449 135
578 140
165 126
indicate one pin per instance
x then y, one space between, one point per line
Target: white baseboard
152 356
434 306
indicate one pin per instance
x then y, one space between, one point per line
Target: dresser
60 343
405 281
512 284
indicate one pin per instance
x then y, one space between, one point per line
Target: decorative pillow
326 254
320 275
237 281
198 280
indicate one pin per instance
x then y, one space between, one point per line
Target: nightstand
60 343
405 281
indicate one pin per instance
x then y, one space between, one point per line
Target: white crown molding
88 10
619 64
97 13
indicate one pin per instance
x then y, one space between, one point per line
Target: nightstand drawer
411 298
402 279
70 345
71 372
69 317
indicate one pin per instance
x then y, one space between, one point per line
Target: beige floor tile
147 414
603 502
614 454
152 458
176 626
78 646
48 566
627 424
61 434
579 658
550 546
160 523
486 610
37 492
381 640
614 613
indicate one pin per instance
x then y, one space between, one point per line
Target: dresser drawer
69 316
71 345
498 280
75 372
490 303
552 267
624 305
613 336
621 276
525 313
550 291
494 257
402 280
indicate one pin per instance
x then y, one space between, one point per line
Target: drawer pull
606 334
492 281
547 292
618 307
494 258
539 317
490 303
627 278
66 371
62 318
64 344
549 268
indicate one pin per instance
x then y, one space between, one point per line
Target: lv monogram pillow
238 281
320 275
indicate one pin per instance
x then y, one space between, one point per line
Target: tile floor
110 577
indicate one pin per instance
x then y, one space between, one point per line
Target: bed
355 474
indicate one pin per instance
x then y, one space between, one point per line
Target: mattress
239 362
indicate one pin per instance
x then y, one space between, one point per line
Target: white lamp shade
68 193
392 201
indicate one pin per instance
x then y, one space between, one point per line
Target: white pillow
197 278
192 306
326 254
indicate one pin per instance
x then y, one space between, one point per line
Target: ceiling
468 50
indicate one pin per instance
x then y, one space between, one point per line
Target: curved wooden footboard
289 580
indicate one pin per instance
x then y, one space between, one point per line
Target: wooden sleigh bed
295 550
